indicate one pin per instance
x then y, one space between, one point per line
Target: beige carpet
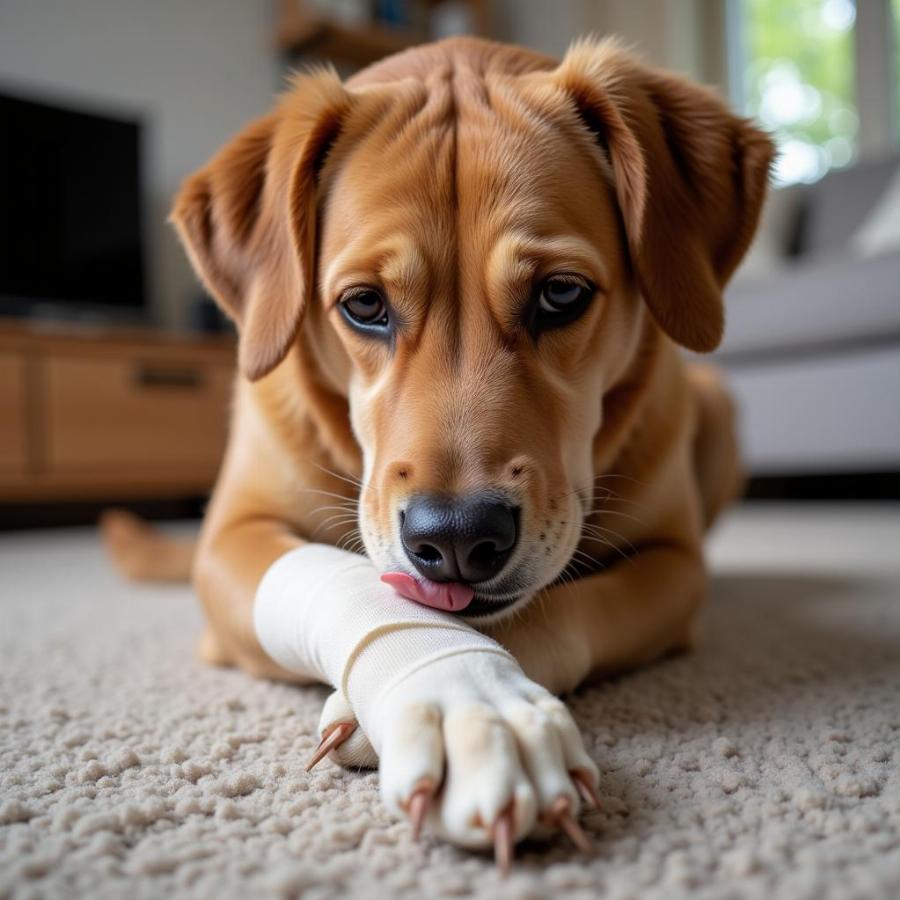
766 764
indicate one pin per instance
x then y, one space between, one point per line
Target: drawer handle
150 376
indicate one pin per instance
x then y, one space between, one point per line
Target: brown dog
459 282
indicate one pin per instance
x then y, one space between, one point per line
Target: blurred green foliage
799 81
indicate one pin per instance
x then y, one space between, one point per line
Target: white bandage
323 613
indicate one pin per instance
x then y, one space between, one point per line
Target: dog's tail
144 553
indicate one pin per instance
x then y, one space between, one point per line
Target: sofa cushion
819 303
834 208
880 233
824 414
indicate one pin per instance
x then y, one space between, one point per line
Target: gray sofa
813 346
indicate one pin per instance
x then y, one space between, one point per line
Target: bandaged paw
461 732
483 739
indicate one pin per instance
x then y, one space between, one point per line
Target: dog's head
474 238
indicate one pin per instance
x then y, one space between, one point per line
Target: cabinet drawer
116 413
13 423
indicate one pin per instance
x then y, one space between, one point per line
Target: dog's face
479 250
481 291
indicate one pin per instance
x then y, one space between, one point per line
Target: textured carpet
765 764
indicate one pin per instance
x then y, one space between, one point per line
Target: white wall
683 35
195 70
686 36
545 25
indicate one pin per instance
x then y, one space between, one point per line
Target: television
70 212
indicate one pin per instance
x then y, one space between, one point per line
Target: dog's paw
353 751
482 754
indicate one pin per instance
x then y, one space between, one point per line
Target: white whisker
307 490
348 478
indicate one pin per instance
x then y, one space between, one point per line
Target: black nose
458 539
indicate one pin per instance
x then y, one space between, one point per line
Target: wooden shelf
25 335
360 45
105 413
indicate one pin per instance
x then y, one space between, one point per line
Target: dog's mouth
459 599
448 596
482 607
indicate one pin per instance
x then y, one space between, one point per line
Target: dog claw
560 816
585 789
333 738
575 832
503 840
417 809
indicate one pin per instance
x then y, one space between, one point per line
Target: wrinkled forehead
463 182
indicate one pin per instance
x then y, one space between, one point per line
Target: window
796 61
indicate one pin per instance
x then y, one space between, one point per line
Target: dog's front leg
232 557
621 618
457 726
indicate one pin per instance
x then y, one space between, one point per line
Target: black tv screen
70 209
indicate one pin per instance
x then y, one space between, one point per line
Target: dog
461 280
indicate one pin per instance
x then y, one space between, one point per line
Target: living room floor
763 764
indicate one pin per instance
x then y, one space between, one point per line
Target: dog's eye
365 306
561 299
560 294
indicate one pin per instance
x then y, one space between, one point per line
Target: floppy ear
690 179
247 219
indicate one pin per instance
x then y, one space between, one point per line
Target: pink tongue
449 596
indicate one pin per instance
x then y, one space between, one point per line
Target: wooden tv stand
105 414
